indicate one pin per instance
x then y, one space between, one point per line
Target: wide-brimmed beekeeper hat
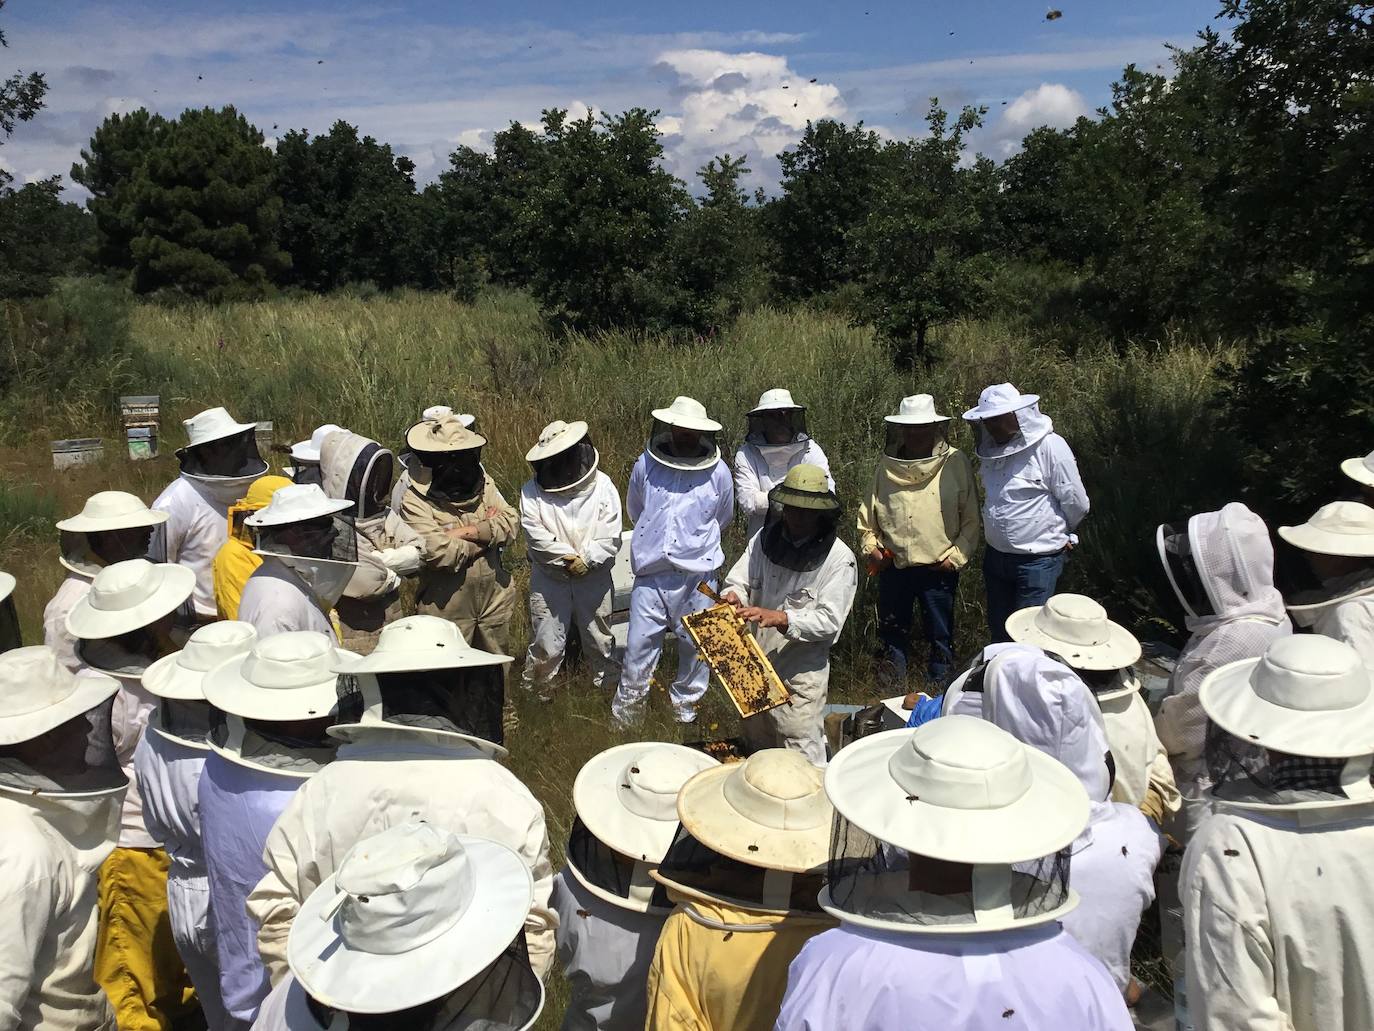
288 676
1361 470
1077 630
443 435
916 410
181 675
688 414
805 486
776 400
555 437
410 915
112 510
999 399
130 595
1340 528
39 694
309 450
297 503
211 425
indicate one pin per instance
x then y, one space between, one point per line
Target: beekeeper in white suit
167 766
608 921
419 929
1044 704
218 464
777 441
681 499
1075 629
1275 886
416 720
795 584
1221 567
949 874
1338 542
570 512
309 552
60 791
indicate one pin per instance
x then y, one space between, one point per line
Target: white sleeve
174 527
753 500
605 540
27 903
725 510
816 456
291 875
634 494
737 579
1064 481
540 542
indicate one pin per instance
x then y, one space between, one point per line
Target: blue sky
424 76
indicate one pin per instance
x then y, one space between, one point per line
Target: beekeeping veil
424 680
683 436
564 459
313 534
777 426
178 681
452 455
916 410
359 470
122 623
752 834
1033 426
801 539
111 527
626 804
220 452
1292 729
954 826
1221 567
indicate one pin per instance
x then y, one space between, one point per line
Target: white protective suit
817 604
761 467
584 521
1045 705
1345 612
198 507
276 600
605 952
1144 777
51 849
1278 918
129 720
384 778
1236 559
55 633
168 776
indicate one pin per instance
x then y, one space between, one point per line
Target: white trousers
796 724
657 605
557 606
188 912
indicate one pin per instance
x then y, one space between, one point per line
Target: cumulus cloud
1049 104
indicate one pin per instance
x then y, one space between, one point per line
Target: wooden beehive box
736 659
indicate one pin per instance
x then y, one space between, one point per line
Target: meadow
1142 421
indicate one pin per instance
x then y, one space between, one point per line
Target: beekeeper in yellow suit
235 561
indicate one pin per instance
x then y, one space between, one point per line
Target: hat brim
900 420
790 497
419 441
978 413
348 979
85 524
827 903
1121 649
596 799
574 432
1230 702
227 689
305 454
417 661
266 517
686 422
1358 471
708 817
175 586
793 407
91 690
354 733
166 679
1324 542
231 429
1051 814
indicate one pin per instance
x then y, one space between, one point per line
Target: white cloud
1049 104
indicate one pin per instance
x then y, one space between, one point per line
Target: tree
21 97
111 163
41 238
921 256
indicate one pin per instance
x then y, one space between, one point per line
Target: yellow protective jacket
721 968
235 562
923 511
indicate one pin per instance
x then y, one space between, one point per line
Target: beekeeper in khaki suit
463 523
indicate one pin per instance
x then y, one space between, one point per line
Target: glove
402 561
577 566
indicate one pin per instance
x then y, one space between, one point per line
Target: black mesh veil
331 538
268 745
467 700
701 869
132 653
10 634
821 516
227 458
1246 773
689 450
76 758
90 552
567 468
187 720
612 873
905 442
1176 554
777 427
454 476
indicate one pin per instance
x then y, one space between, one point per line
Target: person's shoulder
178 488
840 552
29 853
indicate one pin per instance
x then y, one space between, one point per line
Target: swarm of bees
736 659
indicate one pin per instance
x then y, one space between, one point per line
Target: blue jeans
1017 582
899 591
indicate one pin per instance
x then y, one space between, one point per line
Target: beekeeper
1221 567
416 722
135 613
167 766
777 441
463 523
1034 501
419 929
111 527
949 875
743 872
1361 472
218 464
608 917
305 455
918 528
795 584
570 512
1338 543
358 470
60 791
309 551
1075 629
1275 885
236 560
1044 704
681 499
411 466
276 703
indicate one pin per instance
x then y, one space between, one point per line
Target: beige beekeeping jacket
923 511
